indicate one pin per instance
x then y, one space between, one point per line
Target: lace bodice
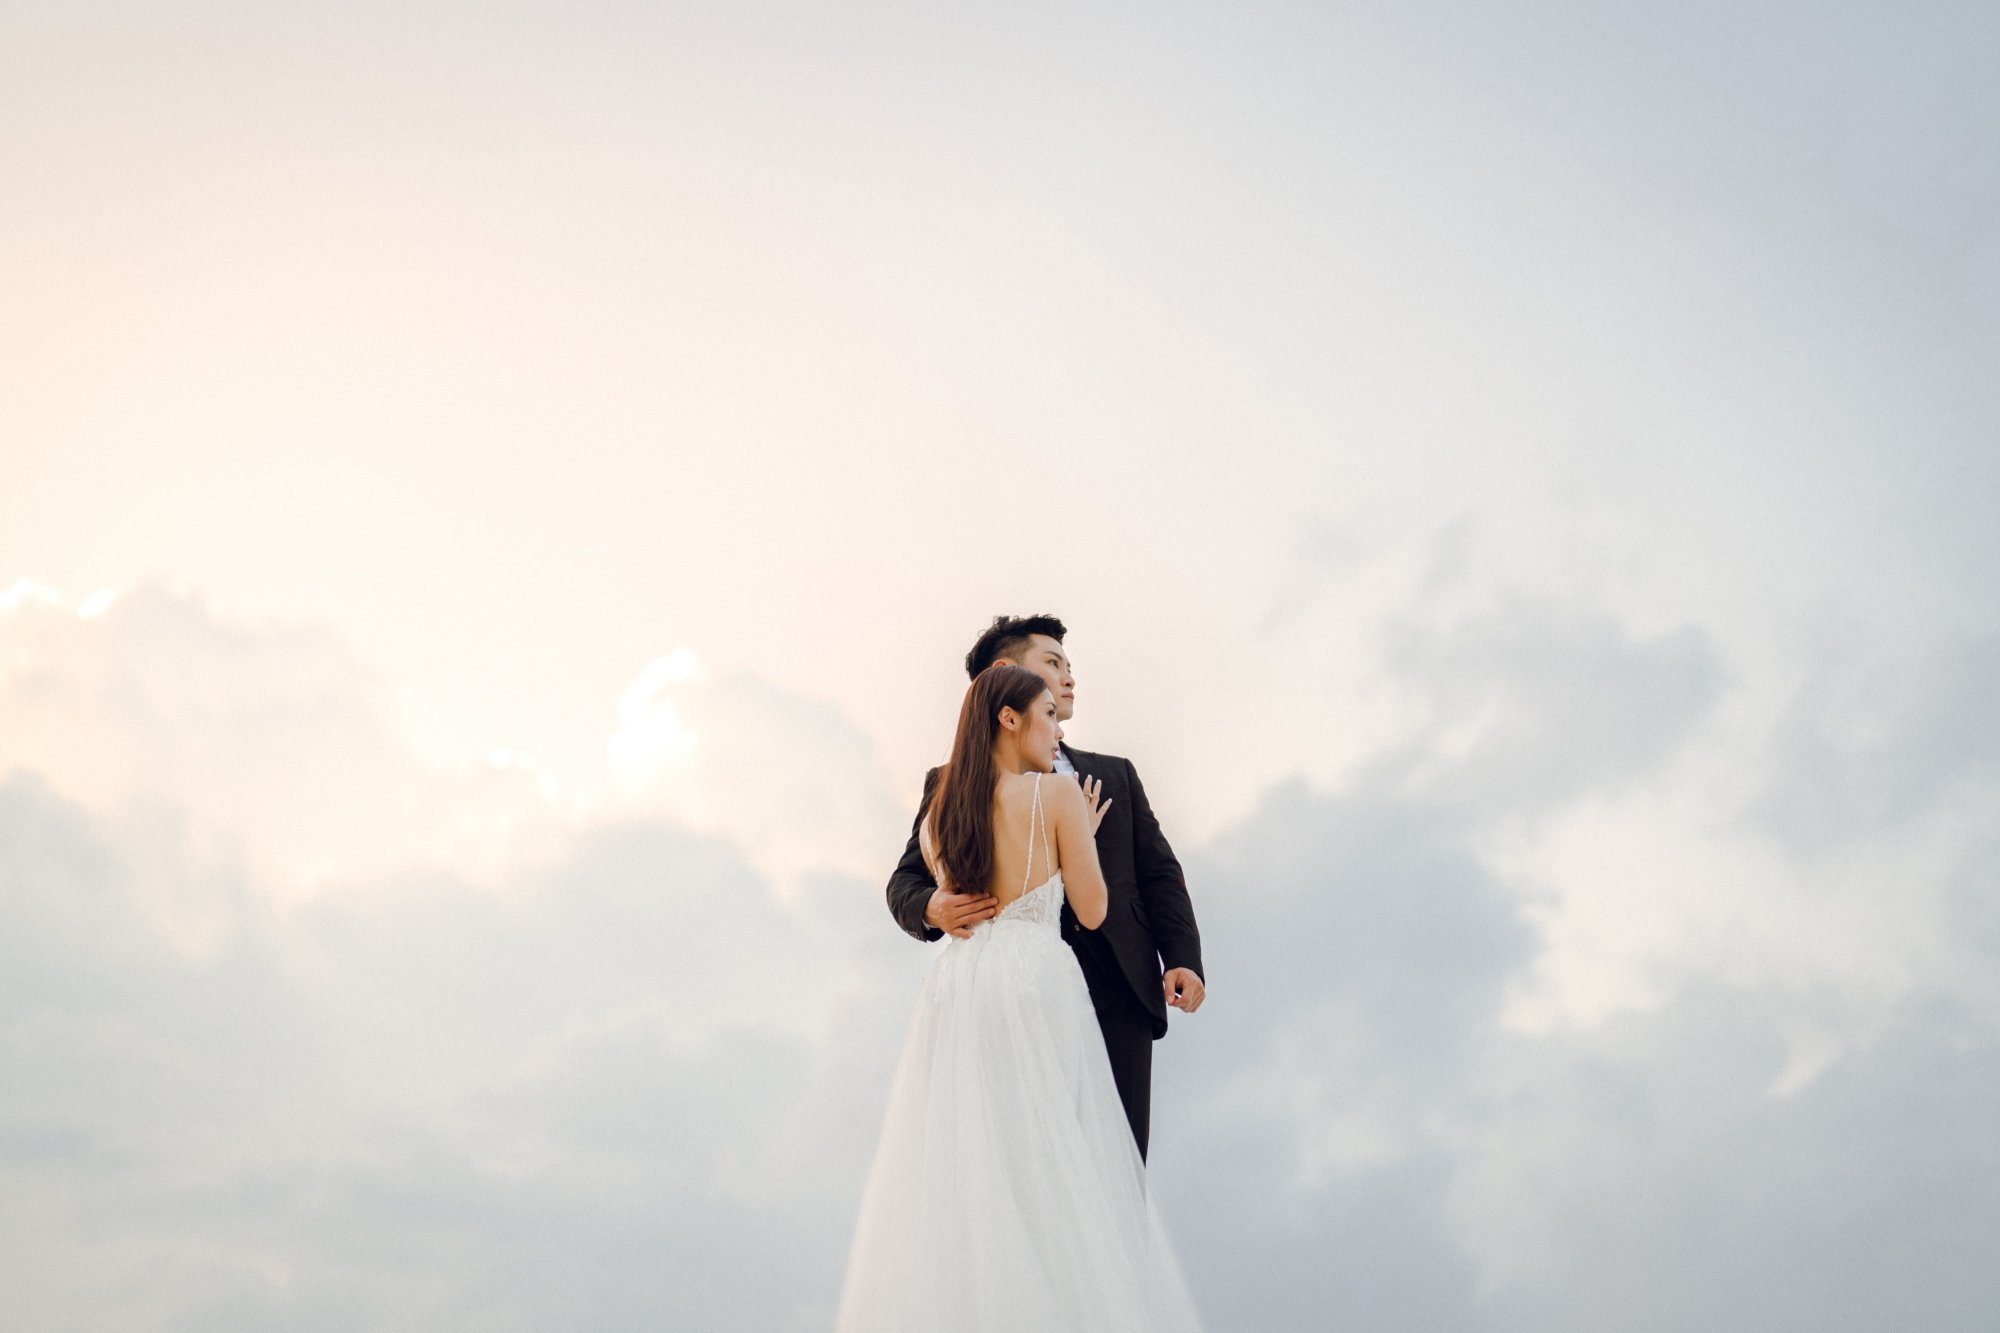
1041 904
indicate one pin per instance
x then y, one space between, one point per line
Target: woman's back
1041 825
1017 815
1019 821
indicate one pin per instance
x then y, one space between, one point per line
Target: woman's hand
1092 789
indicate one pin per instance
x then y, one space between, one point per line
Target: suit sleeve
1162 886
910 887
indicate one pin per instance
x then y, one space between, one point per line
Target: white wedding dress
1007 1195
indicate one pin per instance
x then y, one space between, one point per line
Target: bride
1007 1193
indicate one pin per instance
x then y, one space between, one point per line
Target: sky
493 500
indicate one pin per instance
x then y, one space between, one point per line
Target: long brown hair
962 806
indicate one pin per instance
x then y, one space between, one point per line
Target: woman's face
1041 732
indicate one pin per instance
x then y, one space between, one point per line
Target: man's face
1046 658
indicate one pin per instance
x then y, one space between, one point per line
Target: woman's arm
1073 826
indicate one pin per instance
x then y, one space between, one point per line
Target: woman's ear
1009 719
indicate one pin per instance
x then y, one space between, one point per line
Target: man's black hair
1008 637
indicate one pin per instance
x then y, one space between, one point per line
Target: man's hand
1184 989
957 913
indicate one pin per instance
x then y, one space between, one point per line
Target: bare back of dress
1038 832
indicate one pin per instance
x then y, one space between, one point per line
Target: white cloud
573 1097
270 742
789 779
1481 1053
580 1081
1581 1017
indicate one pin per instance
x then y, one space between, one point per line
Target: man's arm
1162 886
910 888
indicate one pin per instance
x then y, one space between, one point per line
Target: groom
1147 954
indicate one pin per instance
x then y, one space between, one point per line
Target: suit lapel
1081 760
1088 762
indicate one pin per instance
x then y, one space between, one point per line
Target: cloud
1645 1177
1561 1013
556 1099
790 779
1775 1126
1878 738
1357 952
582 1088
1533 703
271 741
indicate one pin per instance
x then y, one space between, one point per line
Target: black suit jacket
1148 921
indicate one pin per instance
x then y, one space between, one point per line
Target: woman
1007 1193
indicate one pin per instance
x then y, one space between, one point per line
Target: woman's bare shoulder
1061 793
1010 787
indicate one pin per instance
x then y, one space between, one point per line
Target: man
1147 954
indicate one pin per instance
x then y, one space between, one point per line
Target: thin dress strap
1034 810
1042 818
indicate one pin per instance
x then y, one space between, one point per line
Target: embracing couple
1009 1189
